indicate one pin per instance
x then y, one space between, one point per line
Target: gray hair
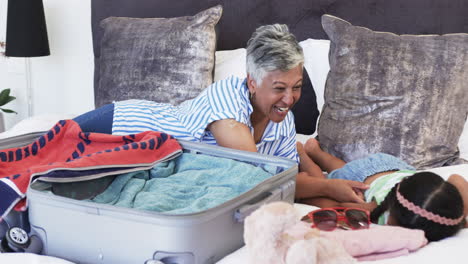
271 48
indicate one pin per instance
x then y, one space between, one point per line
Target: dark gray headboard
241 17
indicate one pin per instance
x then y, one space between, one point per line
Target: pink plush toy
275 234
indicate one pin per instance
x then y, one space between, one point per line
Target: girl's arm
462 185
336 189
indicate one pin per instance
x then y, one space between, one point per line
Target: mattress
450 250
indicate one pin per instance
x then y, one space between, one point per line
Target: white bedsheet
29 258
35 124
450 251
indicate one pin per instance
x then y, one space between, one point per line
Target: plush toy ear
302 252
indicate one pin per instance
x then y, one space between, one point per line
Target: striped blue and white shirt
224 99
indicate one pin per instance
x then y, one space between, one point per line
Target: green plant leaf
9 99
8 110
5 97
5 92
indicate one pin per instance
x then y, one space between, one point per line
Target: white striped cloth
223 99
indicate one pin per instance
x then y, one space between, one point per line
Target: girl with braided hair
423 201
397 194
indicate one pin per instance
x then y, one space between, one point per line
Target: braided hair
430 192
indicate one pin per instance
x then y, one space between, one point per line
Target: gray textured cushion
158 59
405 95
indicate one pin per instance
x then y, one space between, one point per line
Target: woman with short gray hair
273 85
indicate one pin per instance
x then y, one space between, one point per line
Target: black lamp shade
26 34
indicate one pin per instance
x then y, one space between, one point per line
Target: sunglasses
327 219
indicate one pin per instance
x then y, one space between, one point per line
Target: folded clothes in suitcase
88 232
65 153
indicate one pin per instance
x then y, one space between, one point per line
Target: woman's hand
346 190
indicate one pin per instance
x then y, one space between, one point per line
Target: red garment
68 154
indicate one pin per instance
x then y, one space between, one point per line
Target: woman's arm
323 202
232 134
336 189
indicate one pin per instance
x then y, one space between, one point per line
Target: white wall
62 82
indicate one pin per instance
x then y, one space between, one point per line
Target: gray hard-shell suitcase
86 232
14 218
11 240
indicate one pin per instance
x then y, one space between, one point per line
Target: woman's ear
251 84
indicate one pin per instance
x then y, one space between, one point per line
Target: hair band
424 213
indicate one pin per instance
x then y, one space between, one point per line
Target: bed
430 132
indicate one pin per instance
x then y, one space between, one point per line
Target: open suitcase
86 232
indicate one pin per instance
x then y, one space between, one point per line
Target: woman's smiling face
276 94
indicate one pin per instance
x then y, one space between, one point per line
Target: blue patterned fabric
360 169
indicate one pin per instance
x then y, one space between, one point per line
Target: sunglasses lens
325 220
357 219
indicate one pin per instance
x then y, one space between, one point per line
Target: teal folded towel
189 183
